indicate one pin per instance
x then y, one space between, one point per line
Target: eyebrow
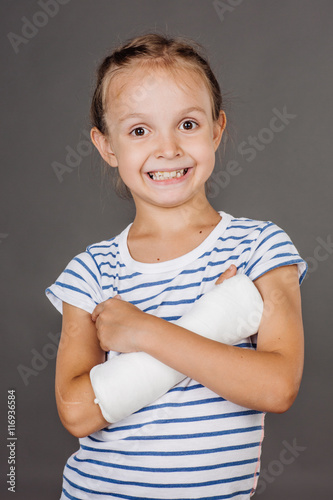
181 113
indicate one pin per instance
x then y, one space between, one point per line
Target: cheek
130 162
203 151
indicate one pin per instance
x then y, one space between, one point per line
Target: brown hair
153 50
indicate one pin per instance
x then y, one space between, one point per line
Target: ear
101 142
218 129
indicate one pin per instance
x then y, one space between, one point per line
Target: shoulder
103 249
258 230
244 227
103 246
264 245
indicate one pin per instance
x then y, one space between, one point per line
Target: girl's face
162 136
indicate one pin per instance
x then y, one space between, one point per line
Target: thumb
229 273
117 297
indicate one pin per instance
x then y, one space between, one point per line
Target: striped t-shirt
190 443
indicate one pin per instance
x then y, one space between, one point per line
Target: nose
167 146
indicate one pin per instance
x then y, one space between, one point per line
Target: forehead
138 86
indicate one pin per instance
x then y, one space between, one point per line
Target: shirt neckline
178 262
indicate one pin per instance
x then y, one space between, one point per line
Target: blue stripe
73 273
118 264
248 271
269 236
245 219
130 497
187 388
281 255
172 303
111 243
277 245
73 288
179 405
125 277
273 246
161 485
197 435
187 271
114 255
168 289
87 269
93 258
301 278
187 419
225 249
288 263
193 271
199 468
174 453
143 285
237 226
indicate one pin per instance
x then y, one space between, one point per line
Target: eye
188 125
138 131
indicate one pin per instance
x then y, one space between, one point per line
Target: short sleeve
78 285
271 249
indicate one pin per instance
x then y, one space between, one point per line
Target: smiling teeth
161 176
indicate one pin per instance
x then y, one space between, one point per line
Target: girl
158 120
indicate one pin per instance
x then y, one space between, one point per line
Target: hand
229 273
117 324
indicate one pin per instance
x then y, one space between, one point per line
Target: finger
97 311
117 296
229 273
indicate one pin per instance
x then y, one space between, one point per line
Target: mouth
162 176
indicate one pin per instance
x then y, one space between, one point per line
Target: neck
163 221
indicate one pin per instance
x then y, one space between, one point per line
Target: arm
267 379
78 352
228 313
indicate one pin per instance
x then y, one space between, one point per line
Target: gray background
267 55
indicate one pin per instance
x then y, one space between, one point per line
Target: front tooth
159 176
